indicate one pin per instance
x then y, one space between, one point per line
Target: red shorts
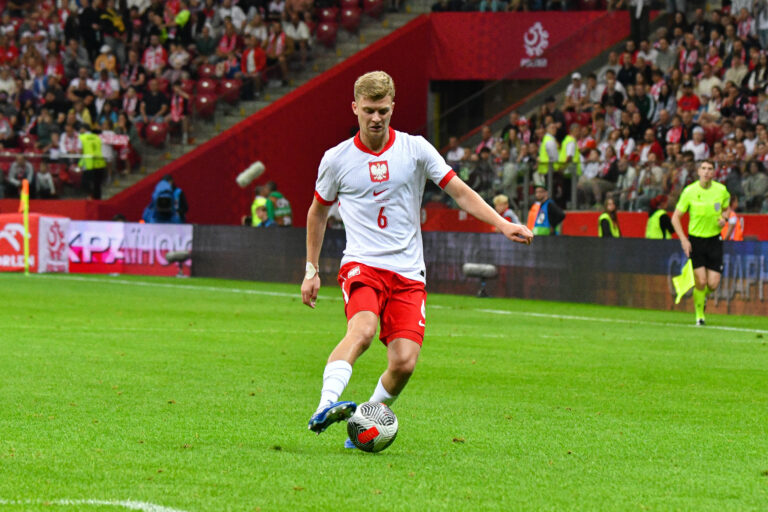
398 302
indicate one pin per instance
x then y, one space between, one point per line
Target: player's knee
402 366
363 335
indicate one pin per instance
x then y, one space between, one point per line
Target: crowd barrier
623 272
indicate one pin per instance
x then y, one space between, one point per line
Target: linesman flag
684 281
24 209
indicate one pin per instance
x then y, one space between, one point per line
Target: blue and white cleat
349 445
337 411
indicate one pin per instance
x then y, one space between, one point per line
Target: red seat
346 4
207 86
230 91
156 134
206 71
188 86
350 18
27 142
205 105
326 33
328 14
373 8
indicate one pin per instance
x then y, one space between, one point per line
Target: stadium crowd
635 128
128 70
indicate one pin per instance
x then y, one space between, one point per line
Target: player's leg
361 328
402 355
699 293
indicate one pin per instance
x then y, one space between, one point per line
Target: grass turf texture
195 395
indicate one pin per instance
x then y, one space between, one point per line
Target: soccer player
707 202
378 178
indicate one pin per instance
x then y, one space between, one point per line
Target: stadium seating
328 14
350 18
326 33
230 91
156 133
374 8
205 105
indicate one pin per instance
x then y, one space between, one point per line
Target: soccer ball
373 427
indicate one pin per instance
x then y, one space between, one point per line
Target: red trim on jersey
445 180
323 201
365 149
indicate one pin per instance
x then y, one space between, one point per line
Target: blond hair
375 86
499 199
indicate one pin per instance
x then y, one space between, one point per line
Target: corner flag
24 209
684 281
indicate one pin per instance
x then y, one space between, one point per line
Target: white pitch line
620 321
127 504
481 310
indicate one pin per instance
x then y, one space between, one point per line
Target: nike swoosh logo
375 193
421 324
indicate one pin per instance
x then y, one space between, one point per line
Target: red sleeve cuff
323 201
446 179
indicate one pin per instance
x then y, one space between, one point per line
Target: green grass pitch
194 395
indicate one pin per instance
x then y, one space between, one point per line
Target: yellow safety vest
653 228
91 148
615 233
259 201
543 155
563 156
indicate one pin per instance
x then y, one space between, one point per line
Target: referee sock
699 298
335 379
709 290
380 394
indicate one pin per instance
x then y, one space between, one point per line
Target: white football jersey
379 198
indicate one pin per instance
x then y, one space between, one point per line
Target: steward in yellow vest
659 225
608 223
548 151
92 163
568 163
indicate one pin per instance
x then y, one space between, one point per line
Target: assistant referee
707 202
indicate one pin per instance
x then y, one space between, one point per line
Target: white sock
382 395
335 379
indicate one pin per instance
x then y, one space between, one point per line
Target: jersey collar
365 149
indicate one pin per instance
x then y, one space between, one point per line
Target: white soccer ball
373 427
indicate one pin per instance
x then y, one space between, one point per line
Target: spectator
487 139
275 48
252 66
737 72
155 57
482 176
755 185
278 207
297 33
177 117
154 105
44 186
20 170
106 61
576 91
133 75
263 216
501 205
205 45
697 145
688 101
455 153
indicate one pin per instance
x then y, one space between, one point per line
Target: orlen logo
368 435
535 41
379 171
9 233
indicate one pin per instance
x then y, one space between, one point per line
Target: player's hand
309 289
686 245
721 221
517 233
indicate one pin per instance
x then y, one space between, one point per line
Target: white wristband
310 271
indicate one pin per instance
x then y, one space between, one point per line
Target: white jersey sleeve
434 165
327 186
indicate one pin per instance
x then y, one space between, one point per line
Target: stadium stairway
321 59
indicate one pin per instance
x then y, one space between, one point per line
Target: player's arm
469 201
684 242
316 222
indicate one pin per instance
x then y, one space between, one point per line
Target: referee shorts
707 252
